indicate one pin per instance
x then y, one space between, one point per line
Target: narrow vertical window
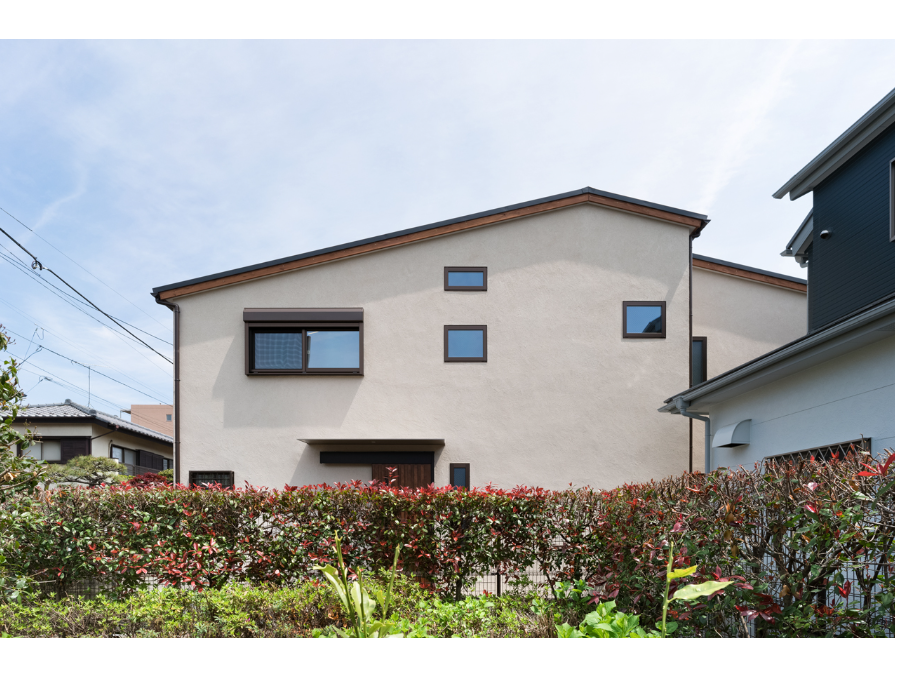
893 198
698 360
465 343
459 476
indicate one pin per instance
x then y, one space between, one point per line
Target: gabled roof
74 412
752 273
585 195
844 147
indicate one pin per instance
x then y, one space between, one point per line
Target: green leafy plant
359 608
605 622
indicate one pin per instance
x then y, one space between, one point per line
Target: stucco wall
562 399
741 319
836 401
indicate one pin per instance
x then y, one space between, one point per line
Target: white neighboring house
66 430
528 344
834 386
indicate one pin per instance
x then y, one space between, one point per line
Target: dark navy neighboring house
835 386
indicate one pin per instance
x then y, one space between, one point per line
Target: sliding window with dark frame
303 342
465 343
47 450
459 476
642 319
465 278
698 360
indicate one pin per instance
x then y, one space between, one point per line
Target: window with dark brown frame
459 476
465 278
698 360
465 343
303 341
642 319
208 478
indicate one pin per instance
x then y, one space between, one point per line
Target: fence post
498 582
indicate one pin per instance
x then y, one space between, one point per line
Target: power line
93 318
79 349
47 349
37 265
22 267
75 387
82 267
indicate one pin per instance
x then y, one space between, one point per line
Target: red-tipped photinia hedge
804 543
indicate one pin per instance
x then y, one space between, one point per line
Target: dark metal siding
855 265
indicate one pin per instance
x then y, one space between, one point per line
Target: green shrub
828 527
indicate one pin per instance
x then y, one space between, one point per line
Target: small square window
465 343
459 476
207 478
168 418
643 319
465 278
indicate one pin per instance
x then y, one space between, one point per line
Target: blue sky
152 162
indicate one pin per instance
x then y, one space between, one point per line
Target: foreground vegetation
805 549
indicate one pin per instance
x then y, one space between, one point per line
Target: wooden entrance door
408 475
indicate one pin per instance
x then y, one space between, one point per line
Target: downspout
690 345
176 384
682 408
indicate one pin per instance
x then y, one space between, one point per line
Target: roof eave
585 195
867 315
841 150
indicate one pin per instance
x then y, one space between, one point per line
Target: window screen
278 351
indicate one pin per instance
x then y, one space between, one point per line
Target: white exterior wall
101 438
741 319
839 400
562 399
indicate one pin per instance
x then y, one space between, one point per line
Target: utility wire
82 267
23 267
77 348
37 265
75 387
31 274
60 293
97 372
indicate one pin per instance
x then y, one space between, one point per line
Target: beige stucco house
66 430
525 345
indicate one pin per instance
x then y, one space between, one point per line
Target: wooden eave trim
754 276
429 234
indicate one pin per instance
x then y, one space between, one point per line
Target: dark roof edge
808 336
39 419
421 228
798 280
858 127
